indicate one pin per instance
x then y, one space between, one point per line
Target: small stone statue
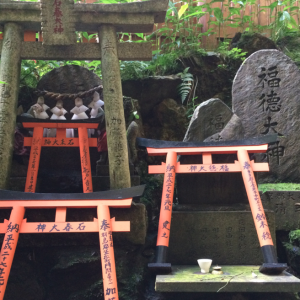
38 110
95 105
58 111
58 114
79 110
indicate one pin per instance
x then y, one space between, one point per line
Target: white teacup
204 264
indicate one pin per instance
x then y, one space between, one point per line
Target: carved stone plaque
286 206
228 238
58 25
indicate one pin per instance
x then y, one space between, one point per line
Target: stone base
102 183
226 237
235 279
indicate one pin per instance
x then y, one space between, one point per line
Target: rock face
265 95
68 79
209 120
167 122
251 42
210 117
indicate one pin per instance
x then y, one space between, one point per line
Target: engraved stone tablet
58 25
286 206
266 97
209 117
225 237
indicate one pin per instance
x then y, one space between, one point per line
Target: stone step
234 279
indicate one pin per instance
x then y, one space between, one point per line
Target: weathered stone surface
152 91
225 237
10 69
265 95
137 215
286 206
170 118
58 24
251 42
82 51
114 110
209 117
129 17
233 131
235 279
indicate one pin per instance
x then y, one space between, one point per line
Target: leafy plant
186 86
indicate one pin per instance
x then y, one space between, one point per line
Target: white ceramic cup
204 264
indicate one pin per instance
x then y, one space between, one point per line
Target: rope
57 96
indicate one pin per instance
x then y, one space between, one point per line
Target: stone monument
265 96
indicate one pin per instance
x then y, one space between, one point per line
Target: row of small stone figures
39 109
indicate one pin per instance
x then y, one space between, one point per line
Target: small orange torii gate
20 201
38 141
242 148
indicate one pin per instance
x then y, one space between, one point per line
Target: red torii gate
242 148
19 201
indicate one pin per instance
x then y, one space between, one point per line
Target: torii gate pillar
114 110
10 69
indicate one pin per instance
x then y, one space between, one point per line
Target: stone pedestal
226 237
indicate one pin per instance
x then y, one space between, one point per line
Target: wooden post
10 73
85 160
258 213
110 287
34 160
9 245
164 225
114 110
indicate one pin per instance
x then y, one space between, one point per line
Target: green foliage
134 70
186 86
264 187
191 106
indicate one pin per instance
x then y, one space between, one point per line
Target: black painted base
160 268
272 268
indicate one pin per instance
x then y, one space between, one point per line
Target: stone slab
286 206
83 51
58 26
225 237
265 95
234 279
